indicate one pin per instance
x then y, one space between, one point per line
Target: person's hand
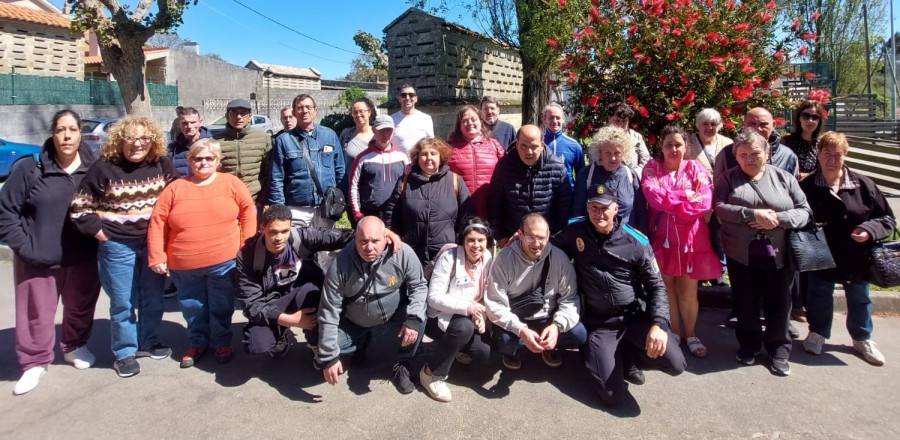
407 336
303 318
393 239
764 219
478 320
532 340
549 336
331 373
100 236
475 309
656 341
160 268
860 235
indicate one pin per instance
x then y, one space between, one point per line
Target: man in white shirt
411 124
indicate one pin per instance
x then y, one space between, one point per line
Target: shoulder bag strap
590 176
312 169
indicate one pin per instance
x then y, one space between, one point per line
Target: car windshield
221 121
89 126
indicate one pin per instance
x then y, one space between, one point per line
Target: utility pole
868 55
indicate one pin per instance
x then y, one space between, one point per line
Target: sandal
696 347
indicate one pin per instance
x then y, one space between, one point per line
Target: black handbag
529 303
884 269
333 200
807 249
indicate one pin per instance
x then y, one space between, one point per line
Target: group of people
492 240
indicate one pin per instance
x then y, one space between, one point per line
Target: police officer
625 307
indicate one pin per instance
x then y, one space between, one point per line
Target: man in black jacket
625 305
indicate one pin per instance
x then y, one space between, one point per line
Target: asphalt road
835 395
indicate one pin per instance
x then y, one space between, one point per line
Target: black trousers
460 336
261 339
617 341
762 280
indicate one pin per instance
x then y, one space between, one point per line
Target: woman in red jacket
474 155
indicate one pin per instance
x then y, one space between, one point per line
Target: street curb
718 297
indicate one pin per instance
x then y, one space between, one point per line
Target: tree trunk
125 60
535 91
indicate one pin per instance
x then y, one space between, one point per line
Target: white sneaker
29 380
81 358
869 351
813 343
435 386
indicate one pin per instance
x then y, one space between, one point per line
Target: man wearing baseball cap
376 170
625 305
245 151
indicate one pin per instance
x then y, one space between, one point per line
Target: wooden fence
877 158
858 115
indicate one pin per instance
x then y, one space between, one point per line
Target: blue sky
238 35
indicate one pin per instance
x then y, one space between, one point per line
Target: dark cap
238 103
601 194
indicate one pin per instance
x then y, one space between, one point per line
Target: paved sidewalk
835 395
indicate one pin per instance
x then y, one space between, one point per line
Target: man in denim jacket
292 182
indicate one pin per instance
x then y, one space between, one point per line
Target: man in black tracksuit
625 305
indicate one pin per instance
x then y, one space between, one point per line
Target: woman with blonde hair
113 204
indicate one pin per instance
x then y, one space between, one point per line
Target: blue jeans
127 279
820 307
206 296
508 343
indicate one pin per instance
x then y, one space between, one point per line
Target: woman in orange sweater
197 227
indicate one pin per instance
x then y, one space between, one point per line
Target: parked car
258 122
12 152
95 131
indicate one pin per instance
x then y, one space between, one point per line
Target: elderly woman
679 192
706 144
430 204
456 318
608 148
113 204
197 228
757 203
356 139
620 115
474 156
51 260
808 122
856 215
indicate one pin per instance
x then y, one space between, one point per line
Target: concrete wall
31 123
202 78
40 50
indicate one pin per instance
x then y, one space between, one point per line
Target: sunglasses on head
810 117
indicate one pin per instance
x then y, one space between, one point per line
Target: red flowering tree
671 58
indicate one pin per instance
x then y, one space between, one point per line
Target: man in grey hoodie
532 296
368 289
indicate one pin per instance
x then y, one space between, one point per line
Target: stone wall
31 123
203 78
40 50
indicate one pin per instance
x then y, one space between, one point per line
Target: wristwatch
662 324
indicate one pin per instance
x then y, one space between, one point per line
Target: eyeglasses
143 140
360 112
810 117
407 95
242 112
534 239
200 159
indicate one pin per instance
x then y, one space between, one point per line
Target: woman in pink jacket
679 194
474 156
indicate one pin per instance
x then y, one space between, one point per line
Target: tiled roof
278 70
95 59
20 13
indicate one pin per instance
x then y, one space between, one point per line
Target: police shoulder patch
579 243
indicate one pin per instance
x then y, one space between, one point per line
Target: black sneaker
156 351
281 347
635 375
127 367
793 332
401 378
746 359
780 367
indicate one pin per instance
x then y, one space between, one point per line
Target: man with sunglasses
245 151
411 124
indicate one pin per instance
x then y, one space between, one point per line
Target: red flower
795 25
748 69
632 30
584 100
570 125
644 112
809 37
638 57
728 124
809 75
562 4
742 27
684 80
779 122
551 42
770 5
815 15
663 79
677 32
779 55
631 99
670 117
652 139
803 50
725 111
688 97
744 62
713 36
594 101
595 14
609 51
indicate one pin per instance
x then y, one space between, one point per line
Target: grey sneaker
127 367
813 343
436 386
401 378
869 351
512 362
156 351
552 358
780 367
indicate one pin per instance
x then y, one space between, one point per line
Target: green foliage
337 122
346 98
372 65
669 59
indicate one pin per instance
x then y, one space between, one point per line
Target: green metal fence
18 89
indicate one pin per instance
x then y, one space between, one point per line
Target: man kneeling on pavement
369 290
625 305
531 297
279 283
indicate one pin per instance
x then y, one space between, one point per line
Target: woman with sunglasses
197 228
808 122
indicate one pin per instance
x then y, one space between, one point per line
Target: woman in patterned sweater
113 204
